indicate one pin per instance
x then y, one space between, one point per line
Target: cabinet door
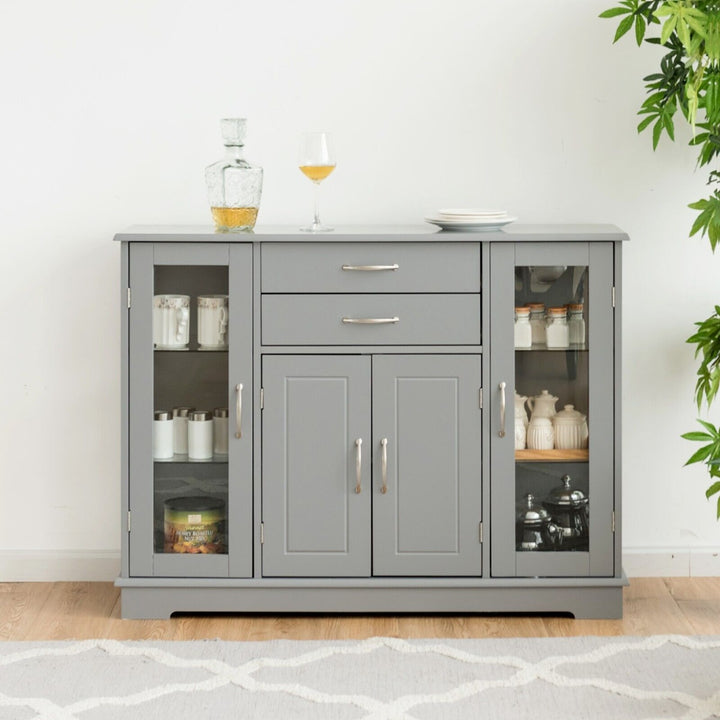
427 465
567 455
190 516
316 466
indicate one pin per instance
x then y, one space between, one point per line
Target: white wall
110 114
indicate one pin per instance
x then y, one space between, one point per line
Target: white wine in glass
317 161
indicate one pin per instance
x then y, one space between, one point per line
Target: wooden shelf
552 455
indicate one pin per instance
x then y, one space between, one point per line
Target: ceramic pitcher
542 405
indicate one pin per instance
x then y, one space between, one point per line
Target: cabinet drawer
422 319
421 267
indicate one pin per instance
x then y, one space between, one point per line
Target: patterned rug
662 676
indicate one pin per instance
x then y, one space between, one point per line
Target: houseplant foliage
688 83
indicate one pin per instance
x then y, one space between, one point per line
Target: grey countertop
374 233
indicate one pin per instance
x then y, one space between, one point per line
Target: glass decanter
234 185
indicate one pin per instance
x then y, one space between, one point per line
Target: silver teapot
534 528
568 508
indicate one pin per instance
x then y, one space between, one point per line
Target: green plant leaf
714 488
613 12
644 123
623 27
657 129
696 436
639 29
700 454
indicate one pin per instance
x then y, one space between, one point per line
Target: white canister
180 417
523 331
571 430
537 323
171 322
200 435
557 334
220 431
162 435
540 435
212 322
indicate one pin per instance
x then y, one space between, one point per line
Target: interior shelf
554 455
217 459
542 348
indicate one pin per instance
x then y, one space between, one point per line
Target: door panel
315 523
427 408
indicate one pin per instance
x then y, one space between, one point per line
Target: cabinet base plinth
592 601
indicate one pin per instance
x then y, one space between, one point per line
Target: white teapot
542 405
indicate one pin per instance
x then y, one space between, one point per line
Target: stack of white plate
470 219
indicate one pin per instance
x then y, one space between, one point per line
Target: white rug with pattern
662 676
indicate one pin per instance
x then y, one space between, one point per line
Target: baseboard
104 565
59 565
671 562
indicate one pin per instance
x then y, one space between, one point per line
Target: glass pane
552 437
190 425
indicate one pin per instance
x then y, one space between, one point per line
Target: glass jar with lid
537 323
576 324
557 334
523 331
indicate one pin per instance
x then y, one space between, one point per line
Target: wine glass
317 161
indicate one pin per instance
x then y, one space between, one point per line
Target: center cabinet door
427 465
315 474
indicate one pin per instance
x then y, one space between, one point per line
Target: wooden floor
77 610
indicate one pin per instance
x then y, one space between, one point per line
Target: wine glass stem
316 221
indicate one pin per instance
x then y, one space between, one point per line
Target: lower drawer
398 319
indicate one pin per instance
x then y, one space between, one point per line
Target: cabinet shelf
542 348
554 455
184 459
190 351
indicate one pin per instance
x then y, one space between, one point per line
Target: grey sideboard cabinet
370 449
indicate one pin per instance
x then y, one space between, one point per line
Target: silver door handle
371 321
383 444
358 465
370 268
238 410
501 433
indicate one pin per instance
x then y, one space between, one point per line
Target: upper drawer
338 267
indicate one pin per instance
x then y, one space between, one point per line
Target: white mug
171 321
212 321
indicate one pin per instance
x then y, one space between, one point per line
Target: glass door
552 405
190 437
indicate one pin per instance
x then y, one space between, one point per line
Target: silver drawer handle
371 321
502 387
383 444
238 411
358 465
371 268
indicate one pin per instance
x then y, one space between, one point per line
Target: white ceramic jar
557 335
200 435
523 331
540 435
180 417
162 435
571 430
520 433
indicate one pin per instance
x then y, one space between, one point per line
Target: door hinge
613 521
262 398
129 521
613 296
480 398
129 298
262 533
480 533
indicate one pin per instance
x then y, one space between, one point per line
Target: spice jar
576 324
557 332
537 323
523 331
162 435
200 435
220 431
180 417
